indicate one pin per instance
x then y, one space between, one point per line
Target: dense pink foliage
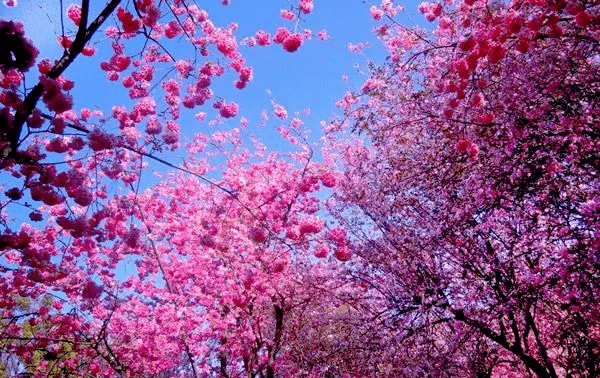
473 208
462 237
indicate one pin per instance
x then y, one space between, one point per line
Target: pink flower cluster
306 6
245 73
129 23
74 13
171 134
117 63
279 111
311 225
98 140
468 147
290 41
227 45
47 194
287 15
338 237
328 180
11 78
376 13
430 10
227 110
263 38
19 52
54 97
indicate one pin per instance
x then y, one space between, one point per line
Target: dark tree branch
529 361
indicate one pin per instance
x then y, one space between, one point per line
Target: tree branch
529 361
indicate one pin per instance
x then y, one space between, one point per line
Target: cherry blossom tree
461 239
219 262
222 273
470 189
40 125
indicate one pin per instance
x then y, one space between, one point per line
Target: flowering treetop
474 203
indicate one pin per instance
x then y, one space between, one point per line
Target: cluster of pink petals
227 109
129 23
74 13
290 41
287 15
279 111
21 52
99 140
54 97
263 38
306 6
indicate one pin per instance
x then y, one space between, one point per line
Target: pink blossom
53 97
184 68
321 251
323 35
58 145
473 151
44 66
306 6
262 38
171 134
35 120
338 236
11 78
227 46
98 140
86 114
462 145
91 290
132 237
65 41
343 253
328 180
153 127
120 62
281 35
14 194
279 111
376 13
287 15
310 226
245 74
172 29
74 13
523 45
258 235
128 21
229 110
478 100
467 44
36 216
583 18
292 42
496 53
128 82
372 85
